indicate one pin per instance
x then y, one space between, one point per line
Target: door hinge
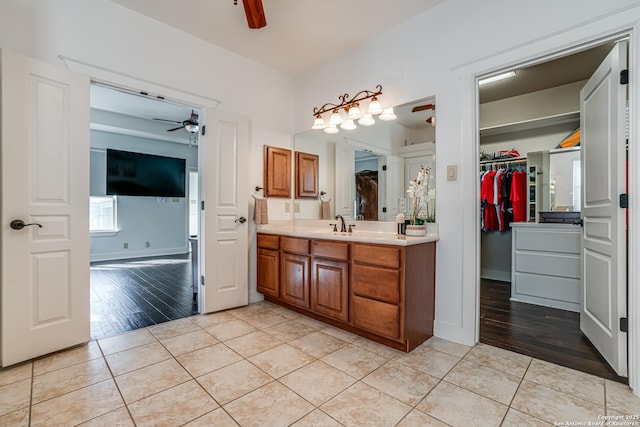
624 201
204 127
384 209
624 77
624 324
202 205
384 167
202 280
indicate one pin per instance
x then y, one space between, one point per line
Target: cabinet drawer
376 316
294 245
268 241
378 283
384 256
335 250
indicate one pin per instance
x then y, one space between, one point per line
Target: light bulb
319 123
388 115
348 125
367 120
336 118
354 112
374 106
331 129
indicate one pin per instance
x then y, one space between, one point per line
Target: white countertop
364 232
543 224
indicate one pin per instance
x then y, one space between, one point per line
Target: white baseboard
138 254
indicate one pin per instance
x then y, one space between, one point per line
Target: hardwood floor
134 293
545 333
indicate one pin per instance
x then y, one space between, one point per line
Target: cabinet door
306 175
268 277
330 288
295 279
277 172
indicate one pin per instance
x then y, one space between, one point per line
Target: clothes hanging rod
509 160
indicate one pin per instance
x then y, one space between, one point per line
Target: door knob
18 224
241 220
579 222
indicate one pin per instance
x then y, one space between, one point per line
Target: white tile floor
262 365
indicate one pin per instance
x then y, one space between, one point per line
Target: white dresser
545 264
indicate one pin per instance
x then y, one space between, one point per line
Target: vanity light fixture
497 77
388 115
350 107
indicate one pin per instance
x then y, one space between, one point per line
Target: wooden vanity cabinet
268 281
382 292
330 279
295 266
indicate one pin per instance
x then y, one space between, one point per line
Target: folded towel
325 209
261 215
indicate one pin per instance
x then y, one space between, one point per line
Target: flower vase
416 230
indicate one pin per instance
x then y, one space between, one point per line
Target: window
102 214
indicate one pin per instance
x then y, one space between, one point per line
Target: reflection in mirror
565 179
365 171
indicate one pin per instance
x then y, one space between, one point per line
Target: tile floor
262 365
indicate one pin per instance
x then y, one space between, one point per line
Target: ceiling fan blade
423 107
171 130
168 121
255 13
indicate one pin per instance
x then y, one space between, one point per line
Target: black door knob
579 222
18 224
241 220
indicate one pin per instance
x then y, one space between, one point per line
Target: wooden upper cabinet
277 172
306 175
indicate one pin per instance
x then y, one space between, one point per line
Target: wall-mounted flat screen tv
139 174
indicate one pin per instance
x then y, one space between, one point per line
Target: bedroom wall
441 52
160 221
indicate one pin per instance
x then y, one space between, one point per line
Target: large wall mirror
365 172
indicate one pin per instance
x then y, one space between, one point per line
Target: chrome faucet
343 227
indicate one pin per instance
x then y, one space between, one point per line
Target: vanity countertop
381 237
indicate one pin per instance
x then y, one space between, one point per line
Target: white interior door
45 180
604 282
345 179
393 185
224 231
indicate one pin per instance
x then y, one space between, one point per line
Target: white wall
441 52
107 35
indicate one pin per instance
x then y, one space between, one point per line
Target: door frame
117 80
633 277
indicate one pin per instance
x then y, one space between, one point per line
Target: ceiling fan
190 124
431 120
255 13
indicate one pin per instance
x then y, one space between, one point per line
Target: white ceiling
300 34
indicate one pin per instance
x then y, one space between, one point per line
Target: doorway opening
144 216
530 178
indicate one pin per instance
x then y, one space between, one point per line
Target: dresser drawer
334 250
268 241
294 245
378 283
383 256
376 316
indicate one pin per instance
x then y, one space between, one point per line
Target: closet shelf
556 119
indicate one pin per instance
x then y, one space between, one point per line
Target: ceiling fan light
336 118
354 112
388 115
319 123
331 129
374 106
348 125
367 120
191 128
